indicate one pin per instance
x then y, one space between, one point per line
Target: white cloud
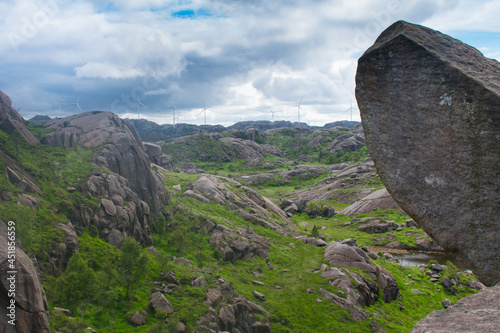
237 56
95 70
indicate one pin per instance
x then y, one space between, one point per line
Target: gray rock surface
476 313
158 301
137 319
238 315
31 308
123 152
430 108
363 291
379 199
114 219
11 120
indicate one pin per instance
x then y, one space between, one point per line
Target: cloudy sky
239 58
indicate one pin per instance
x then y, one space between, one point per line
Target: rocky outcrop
30 311
380 199
19 177
62 252
239 314
11 120
120 213
157 157
358 289
430 108
237 245
131 193
476 313
303 172
123 152
226 191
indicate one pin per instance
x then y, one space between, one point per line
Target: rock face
476 313
131 192
123 152
430 108
31 309
11 120
114 219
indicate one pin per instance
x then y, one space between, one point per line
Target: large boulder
364 291
477 313
30 311
430 108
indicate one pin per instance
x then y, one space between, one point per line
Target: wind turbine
299 108
139 103
76 103
204 110
61 100
350 109
173 114
272 111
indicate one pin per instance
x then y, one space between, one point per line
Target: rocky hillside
152 132
270 149
261 227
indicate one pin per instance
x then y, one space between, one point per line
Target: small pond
416 258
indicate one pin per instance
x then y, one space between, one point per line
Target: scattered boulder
182 261
29 200
430 106
199 282
158 301
258 295
137 319
446 303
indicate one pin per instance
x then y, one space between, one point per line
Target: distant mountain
38 119
152 132
342 123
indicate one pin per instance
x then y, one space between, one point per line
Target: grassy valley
104 286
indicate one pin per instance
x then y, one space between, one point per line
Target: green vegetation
132 266
104 286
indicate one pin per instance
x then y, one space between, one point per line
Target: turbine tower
139 103
61 100
173 114
299 108
273 112
350 109
204 111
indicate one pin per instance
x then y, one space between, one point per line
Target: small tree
162 259
158 225
132 266
76 285
178 239
314 232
